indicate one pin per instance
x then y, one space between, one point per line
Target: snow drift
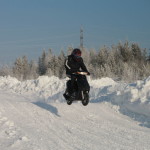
132 99
34 115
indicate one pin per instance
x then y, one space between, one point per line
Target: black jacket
72 65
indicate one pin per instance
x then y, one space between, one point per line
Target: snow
35 116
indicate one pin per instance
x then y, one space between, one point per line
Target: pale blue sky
28 26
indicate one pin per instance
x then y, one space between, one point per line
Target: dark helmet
76 53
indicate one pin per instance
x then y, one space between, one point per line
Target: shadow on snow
47 107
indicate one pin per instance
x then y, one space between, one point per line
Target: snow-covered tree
123 61
18 69
25 67
42 64
6 71
33 70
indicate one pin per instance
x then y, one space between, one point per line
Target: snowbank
49 88
43 87
133 97
134 100
101 82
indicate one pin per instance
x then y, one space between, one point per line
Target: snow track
56 126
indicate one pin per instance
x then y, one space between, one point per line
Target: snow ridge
133 98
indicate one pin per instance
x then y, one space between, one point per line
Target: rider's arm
68 67
67 64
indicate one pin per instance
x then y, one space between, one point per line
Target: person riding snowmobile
73 64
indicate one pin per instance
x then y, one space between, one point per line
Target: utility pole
81 38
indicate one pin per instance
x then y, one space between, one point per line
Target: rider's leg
73 81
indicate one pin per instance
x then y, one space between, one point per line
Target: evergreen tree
61 61
125 51
42 64
136 51
6 71
25 67
18 69
123 61
33 70
102 56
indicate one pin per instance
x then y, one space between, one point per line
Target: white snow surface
35 116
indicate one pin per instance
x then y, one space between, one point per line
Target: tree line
123 61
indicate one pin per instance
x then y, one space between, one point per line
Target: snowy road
57 126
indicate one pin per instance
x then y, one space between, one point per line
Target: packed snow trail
56 126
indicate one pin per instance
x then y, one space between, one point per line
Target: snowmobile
82 89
